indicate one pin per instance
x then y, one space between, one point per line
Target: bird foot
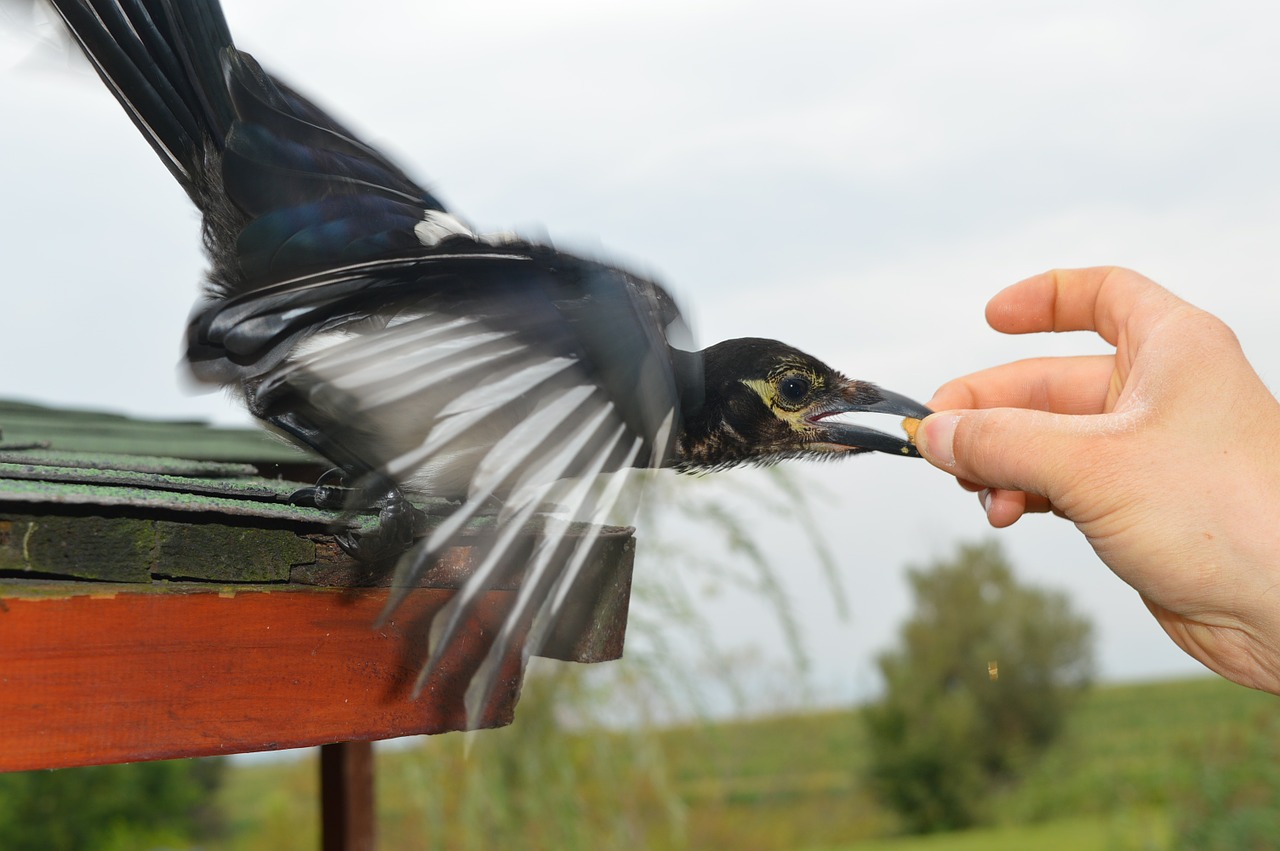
397 521
323 494
397 518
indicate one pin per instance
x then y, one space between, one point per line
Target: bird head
764 401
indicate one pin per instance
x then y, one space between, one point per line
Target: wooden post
346 797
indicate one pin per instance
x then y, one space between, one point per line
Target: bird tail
164 62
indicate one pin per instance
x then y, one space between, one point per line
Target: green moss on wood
110 549
229 553
126 549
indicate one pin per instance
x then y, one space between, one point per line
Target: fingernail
985 496
939 432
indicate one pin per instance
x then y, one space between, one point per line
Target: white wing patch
436 227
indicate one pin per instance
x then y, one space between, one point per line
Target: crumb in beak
910 425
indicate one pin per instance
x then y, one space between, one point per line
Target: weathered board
153 608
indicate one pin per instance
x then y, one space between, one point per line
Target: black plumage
354 313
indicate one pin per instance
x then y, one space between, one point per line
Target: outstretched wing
507 378
354 312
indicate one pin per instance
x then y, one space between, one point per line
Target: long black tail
163 61
285 189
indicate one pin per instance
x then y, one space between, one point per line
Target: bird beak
860 397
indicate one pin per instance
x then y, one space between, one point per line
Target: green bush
109 807
981 682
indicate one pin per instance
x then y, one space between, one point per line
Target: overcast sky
854 178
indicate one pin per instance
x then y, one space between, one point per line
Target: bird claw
321 494
397 523
397 518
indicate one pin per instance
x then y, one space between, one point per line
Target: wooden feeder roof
159 597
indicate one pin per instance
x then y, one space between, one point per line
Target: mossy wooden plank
31 492
179 632
595 628
116 549
219 553
53 458
128 549
240 485
592 629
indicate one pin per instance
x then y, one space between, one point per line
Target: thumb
1007 448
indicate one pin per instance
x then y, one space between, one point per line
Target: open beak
860 397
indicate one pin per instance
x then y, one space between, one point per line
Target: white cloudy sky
856 178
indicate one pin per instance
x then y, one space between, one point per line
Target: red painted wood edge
127 676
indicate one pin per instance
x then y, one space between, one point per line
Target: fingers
1062 385
1004 508
1006 449
1021 433
1101 299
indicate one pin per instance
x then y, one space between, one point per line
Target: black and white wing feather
469 376
359 316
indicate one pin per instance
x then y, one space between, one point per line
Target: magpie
358 316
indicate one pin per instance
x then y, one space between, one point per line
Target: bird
355 314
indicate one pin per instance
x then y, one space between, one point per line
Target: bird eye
794 389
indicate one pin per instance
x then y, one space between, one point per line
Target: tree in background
109 807
981 681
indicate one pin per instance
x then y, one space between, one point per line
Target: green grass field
1147 831
781 783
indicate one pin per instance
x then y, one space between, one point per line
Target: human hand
1166 455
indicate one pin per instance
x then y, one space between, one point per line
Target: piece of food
910 425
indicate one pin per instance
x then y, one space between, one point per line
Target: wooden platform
156 607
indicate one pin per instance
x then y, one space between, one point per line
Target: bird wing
512 376
313 196
354 311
